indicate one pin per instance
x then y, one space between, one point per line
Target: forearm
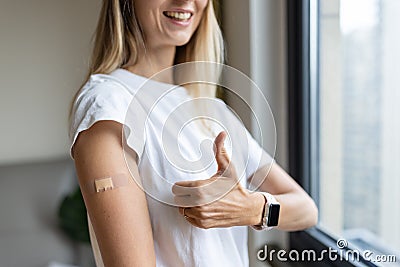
297 210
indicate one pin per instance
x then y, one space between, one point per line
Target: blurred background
44 52
350 51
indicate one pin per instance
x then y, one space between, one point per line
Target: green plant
72 217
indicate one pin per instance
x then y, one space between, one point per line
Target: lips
178 15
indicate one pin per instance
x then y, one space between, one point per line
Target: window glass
359 121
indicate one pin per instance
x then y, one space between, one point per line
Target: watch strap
269 199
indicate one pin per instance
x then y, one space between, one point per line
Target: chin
182 43
180 40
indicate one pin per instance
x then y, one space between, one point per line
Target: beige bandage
107 183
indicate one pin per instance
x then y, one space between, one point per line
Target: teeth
178 15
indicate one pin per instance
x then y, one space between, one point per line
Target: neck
153 61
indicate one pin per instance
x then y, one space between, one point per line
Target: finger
187 183
180 210
204 223
193 222
184 188
184 211
192 213
199 213
221 154
195 200
183 201
200 223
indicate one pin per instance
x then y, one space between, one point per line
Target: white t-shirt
162 125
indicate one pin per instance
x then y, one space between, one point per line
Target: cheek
201 4
146 15
201 9
151 26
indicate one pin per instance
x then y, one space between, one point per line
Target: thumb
221 155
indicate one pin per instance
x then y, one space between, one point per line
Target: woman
134 40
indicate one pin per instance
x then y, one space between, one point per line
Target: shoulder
102 87
101 93
102 97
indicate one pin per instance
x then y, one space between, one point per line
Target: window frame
303 122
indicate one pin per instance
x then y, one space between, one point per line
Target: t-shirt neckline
124 73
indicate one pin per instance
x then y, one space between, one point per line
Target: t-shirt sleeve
257 158
102 99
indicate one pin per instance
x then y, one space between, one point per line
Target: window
344 94
359 131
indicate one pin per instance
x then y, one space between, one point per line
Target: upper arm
120 217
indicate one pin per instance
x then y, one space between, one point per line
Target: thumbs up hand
219 201
222 158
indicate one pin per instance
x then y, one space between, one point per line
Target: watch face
273 215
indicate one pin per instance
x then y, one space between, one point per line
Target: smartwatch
270 216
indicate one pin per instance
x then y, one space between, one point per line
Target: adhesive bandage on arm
107 183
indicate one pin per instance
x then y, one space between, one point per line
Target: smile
179 16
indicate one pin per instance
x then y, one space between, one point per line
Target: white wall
255 34
44 48
43 56
269 70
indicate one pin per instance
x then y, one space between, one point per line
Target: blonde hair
119 38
